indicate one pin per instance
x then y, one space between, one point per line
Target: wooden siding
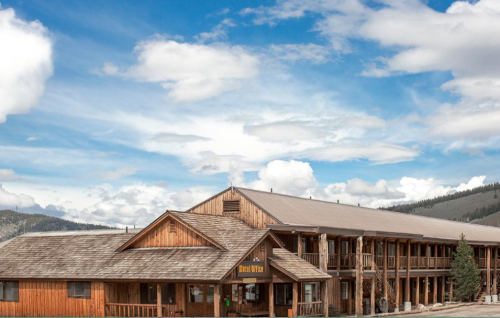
162 236
249 212
49 299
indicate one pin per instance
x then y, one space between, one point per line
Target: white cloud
218 33
301 52
11 200
114 174
25 63
191 72
32 138
8 175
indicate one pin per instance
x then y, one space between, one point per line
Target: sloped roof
295 267
291 210
80 255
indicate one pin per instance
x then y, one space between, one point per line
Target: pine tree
466 275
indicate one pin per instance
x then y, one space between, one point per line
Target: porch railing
131 310
310 309
332 260
312 258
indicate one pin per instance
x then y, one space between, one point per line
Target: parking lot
467 311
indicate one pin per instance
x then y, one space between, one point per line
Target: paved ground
467 311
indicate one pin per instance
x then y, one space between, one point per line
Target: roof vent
232 206
358 204
337 201
310 197
271 190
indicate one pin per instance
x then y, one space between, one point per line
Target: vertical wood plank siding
162 236
50 299
249 212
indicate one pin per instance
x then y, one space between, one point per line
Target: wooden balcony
310 309
312 258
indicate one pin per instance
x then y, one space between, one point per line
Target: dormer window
232 206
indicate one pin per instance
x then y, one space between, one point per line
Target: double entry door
200 300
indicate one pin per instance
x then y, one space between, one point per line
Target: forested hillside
480 205
13 223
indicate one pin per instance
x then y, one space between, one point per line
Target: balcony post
339 251
418 256
427 255
495 264
373 243
372 296
299 245
359 277
426 291
323 253
435 290
386 282
396 274
488 270
158 299
408 280
436 256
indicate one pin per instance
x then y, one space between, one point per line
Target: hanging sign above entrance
251 269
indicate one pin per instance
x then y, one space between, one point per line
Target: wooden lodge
244 253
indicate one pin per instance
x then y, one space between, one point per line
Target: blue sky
114 111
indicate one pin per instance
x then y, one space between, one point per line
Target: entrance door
201 300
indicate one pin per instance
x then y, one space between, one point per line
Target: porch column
386 281
359 277
443 289
408 266
339 251
435 256
451 289
418 256
299 245
295 299
435 290
426 291
324 297
372 296
417 294
488 270
271 300
158 299
495 264
396 282
217 300
427 255
373 243
323 253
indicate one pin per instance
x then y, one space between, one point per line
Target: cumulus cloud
8 175
314 53
25 63
190 72
218 33
11 200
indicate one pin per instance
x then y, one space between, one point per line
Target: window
231 206
253 292
149 293
78 289
345 290
311 292
331 247
195 293
283 294
295 245
210 293
9 291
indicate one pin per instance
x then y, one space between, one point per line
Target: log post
396 274
217 300
443 289
372 296
495 273
359 277
271 300
418 256
339 251
373 244
324 297
408 266
323 253
426 291
299 245
295 299
158 299
451 289
417 293
427 255
435 256
488 270
386 281
435 290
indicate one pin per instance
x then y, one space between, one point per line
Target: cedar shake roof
295 211
93 255
294 267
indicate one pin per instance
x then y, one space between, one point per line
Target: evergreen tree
466 275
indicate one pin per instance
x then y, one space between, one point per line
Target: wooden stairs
379 290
